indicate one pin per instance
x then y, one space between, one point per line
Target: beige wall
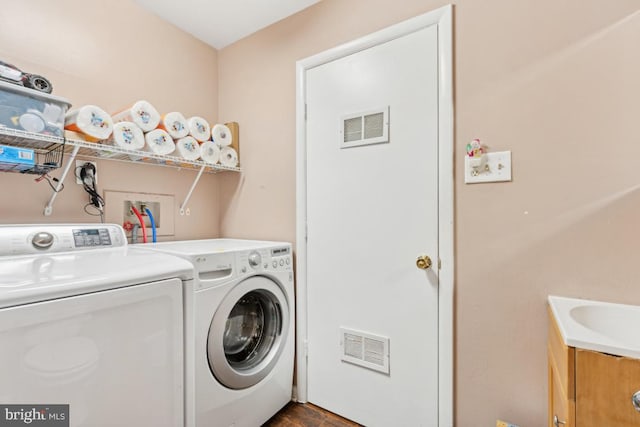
111 53
556 82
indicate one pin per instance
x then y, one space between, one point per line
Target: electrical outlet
79 164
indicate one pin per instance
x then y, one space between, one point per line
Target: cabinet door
559 405
561 378
604 386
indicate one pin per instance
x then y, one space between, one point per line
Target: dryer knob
42 240
254 259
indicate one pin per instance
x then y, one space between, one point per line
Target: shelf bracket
193 186
70 161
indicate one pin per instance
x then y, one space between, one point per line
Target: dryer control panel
51 238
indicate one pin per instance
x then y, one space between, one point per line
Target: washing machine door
248 332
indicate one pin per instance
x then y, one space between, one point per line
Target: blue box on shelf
16 159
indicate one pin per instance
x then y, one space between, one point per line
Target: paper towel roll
228 157
210 152
175 124
159 142
142 113
221 135
199 128
91 121
127 135
188 148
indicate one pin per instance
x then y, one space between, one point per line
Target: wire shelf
50 150
111 152
35 141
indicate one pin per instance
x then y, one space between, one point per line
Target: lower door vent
365 349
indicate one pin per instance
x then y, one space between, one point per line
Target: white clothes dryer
239 330
89 322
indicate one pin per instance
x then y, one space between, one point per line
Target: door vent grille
374 125
365 128
365 349
353 129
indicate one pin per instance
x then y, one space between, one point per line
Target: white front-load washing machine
239 330
88 322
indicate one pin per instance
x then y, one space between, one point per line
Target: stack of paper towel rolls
223 137
143 115
141 127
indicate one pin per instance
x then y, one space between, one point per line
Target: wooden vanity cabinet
588 388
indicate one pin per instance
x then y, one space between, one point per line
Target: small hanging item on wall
477 156
475 148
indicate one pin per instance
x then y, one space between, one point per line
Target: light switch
496 168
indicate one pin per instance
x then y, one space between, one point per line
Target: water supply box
31 111
16 159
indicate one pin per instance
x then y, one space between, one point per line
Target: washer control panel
51 238
266 259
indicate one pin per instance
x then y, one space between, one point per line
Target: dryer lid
32 278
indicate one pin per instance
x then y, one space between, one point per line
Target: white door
372 209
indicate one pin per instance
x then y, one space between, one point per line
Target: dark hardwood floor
307 415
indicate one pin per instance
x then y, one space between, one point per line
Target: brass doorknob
423 262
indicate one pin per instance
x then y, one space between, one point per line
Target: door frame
443 18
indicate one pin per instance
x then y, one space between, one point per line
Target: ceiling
222 22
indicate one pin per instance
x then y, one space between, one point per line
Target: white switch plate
497 169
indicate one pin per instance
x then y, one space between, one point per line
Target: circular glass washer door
248 332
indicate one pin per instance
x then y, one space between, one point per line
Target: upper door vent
365 128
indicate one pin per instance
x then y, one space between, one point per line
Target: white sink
599 326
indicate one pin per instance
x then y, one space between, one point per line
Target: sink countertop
598 326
